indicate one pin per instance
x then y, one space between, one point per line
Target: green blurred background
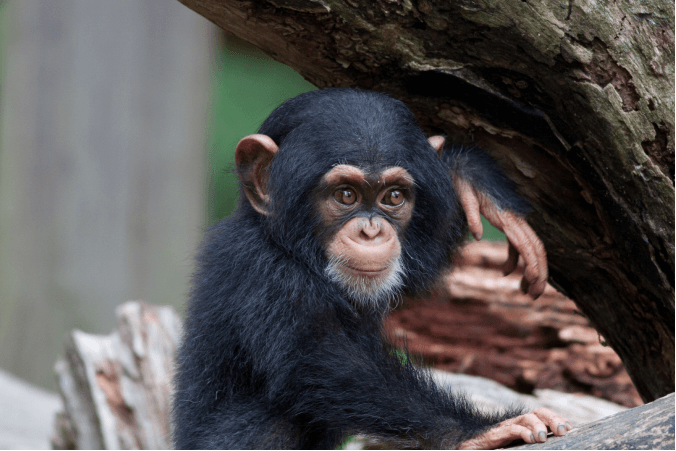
248 85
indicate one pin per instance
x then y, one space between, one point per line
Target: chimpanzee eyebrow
396 176
344 173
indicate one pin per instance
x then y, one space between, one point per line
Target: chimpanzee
344 206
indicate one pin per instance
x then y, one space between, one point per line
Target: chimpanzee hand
531 428
522 239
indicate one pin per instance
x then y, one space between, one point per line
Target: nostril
367 234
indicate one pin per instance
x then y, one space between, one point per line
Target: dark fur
482 172
274 355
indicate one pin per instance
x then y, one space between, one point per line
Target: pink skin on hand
531 428
521 237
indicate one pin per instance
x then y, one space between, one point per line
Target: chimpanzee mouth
367 272
373 289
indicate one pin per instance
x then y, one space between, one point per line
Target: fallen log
116 392
116 389
479 322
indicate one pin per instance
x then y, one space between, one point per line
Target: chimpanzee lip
367 272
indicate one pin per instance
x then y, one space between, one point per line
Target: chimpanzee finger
470 203
524 286
541 254
536 273
523 245
500 436
557 424
534 278
512 260
535 425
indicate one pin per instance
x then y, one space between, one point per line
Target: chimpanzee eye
393 198
345 196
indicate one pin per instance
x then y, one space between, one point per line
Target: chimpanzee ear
252 158
437 142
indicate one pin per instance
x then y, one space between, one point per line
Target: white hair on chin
372 293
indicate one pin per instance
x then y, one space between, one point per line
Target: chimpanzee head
346 181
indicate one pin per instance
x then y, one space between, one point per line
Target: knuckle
529 418
544 413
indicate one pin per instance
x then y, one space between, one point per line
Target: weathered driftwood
116 388
574 98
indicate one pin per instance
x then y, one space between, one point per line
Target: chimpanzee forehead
344 119
362 137
319 150
318 130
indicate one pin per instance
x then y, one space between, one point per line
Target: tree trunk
575 99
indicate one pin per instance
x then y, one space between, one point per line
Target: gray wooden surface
102 166
650 426
579 409
116 388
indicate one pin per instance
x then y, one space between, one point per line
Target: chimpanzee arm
354 383
477 168
484 189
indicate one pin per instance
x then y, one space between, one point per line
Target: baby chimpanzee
344 205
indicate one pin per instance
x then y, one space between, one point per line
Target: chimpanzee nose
371 228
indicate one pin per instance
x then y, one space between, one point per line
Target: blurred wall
103 113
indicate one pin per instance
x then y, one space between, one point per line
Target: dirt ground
479 323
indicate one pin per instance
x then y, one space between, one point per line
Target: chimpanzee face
364 215
364 211
356 191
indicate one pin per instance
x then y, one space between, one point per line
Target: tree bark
575 99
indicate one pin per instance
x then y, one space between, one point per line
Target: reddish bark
480 323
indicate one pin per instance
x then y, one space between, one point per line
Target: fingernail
542 436
532 438
561 428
